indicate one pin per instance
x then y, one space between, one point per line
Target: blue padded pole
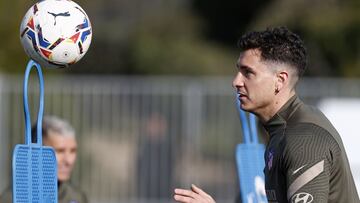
244 121
253 128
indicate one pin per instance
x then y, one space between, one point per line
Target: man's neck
279 102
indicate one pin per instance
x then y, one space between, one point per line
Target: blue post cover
250 160
250 165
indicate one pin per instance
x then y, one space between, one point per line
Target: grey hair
53 124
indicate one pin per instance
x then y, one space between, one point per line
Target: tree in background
12 55
153 37
195 37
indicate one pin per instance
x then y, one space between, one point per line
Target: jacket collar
279 120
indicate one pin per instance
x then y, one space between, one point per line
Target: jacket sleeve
307 161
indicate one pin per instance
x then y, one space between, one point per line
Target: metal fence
140 137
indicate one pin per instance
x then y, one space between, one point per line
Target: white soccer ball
56 33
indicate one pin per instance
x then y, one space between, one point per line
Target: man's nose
238 81
67 157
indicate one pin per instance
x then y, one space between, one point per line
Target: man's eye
60 150
247 72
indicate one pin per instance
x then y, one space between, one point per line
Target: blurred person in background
60 135
154 163
305 160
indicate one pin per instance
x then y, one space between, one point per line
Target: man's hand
195 195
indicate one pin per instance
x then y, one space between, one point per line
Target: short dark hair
277 44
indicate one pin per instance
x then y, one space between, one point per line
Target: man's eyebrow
243 67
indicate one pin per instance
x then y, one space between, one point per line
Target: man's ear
282 80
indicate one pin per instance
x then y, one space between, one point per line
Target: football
56 33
